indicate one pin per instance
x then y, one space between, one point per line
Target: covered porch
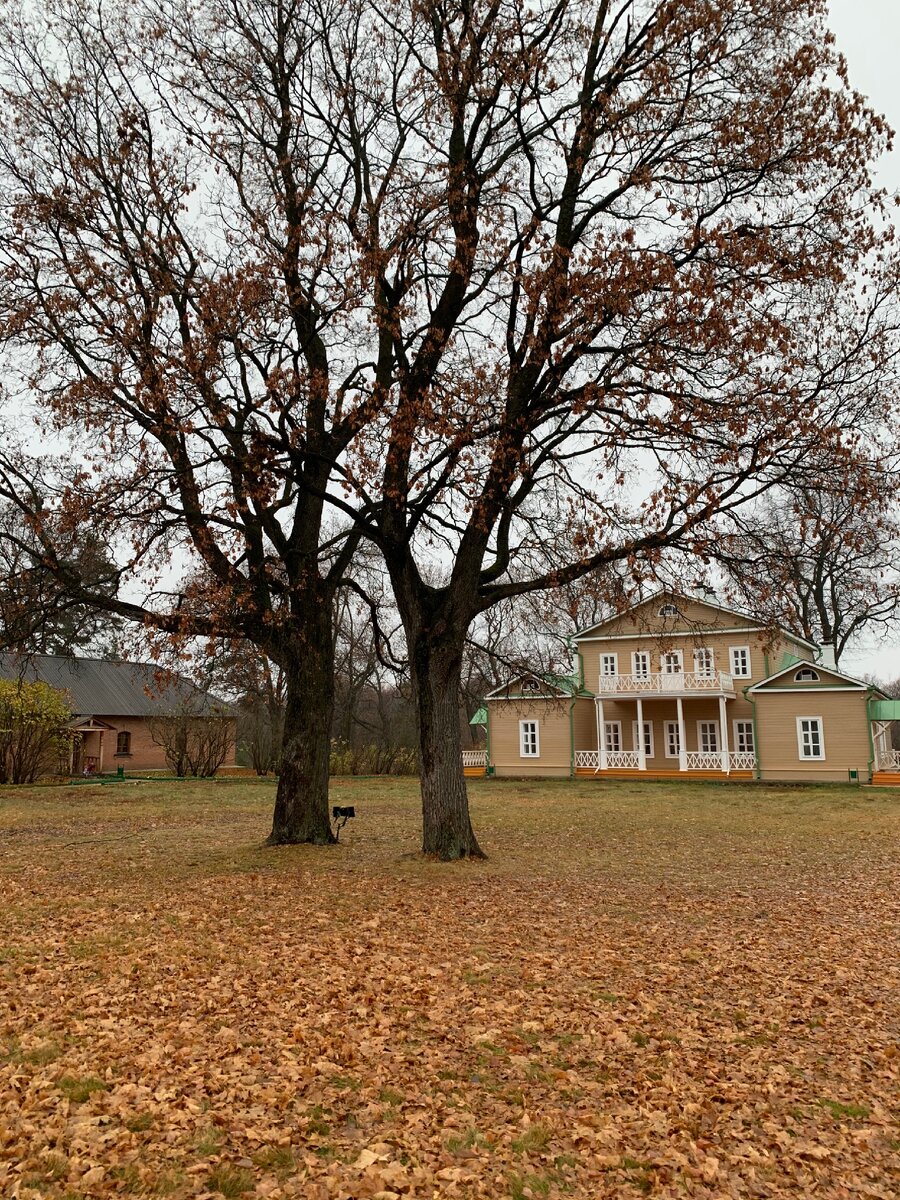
87 748
669 736
884 716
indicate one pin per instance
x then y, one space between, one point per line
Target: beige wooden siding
645 618
554 734
765 657
845 733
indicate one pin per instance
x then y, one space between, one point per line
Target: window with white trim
806 675
704 661
609 664
673 739
640 663
708 736
531 685
612 736
740 661
529 739
670 610
810 738
648 737
743 737
672 663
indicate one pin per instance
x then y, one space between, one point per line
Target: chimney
826 656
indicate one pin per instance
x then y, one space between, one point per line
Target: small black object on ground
342 814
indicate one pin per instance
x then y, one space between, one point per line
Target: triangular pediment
806 674
668 611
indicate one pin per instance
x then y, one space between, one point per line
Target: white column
723 725
641 746
100 755
682 736
601 737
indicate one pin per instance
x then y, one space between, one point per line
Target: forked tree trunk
446 827
301 802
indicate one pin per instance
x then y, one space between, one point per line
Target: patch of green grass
470 1140
841 1112
277 1159
129 1178
317 1126
523 1187
53 1167
139 1123
345 1082
535 1139
167 1184
640 1039
77 1090
41 1055
209 1141
231 1182
390 1097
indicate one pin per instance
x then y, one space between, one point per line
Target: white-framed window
743 737
673 739
810 737
806 675
529 739
648 737
640 663
672 662
609 664
740 661
704 661
612 735
669 610
708 736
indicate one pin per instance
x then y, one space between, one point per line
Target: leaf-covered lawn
683 991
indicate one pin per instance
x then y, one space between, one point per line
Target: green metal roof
884 710
481 717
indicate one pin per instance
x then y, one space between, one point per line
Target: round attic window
530 685
669 610
806 675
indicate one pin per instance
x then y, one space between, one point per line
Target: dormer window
806 675
669 610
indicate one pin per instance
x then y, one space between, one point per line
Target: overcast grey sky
868 34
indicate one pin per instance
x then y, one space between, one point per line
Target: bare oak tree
818 561
516 292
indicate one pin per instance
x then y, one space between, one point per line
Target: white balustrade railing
704 760
474 758
658 683
697 760
616 759
889 760
743 760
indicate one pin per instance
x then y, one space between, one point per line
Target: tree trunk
446 828
301 802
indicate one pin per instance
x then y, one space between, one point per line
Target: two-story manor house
679 685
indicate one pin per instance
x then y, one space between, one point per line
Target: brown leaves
697 999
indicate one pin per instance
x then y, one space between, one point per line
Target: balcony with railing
660 683
888 760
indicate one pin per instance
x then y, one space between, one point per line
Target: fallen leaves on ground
696 997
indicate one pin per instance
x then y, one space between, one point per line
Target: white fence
889 760
474 758
659 683
697 760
